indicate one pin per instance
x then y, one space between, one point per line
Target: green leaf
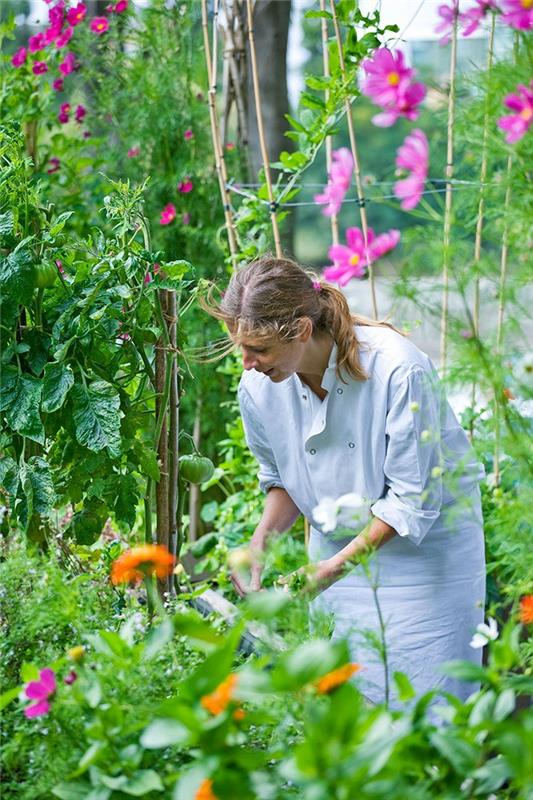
16 282
266 605
483 708
29 672
176 269
58 379
193 625
20 398
75 790
43 492
505 705
465 671
295 124
318 14
147 461
59 223
7 223
8 696
308 662
140 783
96 412
126 500
39 344
319 83
158 638
491 775
164 733
462 755
86 525
404 686
9 477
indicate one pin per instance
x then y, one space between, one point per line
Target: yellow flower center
354 260
393 78
527 113
527 3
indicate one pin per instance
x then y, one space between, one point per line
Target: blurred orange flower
239 714
205 792
146 559
526 609
217 701
335 678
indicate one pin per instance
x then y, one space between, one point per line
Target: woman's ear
305 329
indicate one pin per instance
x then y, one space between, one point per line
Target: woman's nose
249 360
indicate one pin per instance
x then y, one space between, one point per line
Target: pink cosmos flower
36 43
148 277
40 691
99 25
188 135
473 17
518 14
133 152
76 14
185 186
448 15
120 6
39 68
518 123
19 57
186 218
55 165
70 678
80 112
386 71
68 64
51 34
407 102
350 260
412 155
59 265
340 176
64 38
58 85
56 15
64 112
168 214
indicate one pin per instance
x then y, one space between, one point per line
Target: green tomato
195 468
45 275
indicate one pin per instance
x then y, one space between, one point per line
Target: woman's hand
243 563
312 579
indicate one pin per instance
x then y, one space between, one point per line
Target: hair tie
317 286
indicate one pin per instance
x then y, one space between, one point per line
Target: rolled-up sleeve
413 459
256 440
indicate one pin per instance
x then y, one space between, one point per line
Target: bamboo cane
261 132
448 204
217 147
329 146
235 47
173 439
481 206
357 171
161 490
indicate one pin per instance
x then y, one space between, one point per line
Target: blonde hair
267 299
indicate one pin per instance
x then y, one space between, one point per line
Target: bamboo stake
481 206
261 132
194 491
161 490
234 48
329 146
357 171
448 204
173 439
220 164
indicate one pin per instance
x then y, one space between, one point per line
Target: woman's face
278 359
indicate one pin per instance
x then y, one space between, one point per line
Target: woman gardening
335 404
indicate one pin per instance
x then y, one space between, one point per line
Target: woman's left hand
312 579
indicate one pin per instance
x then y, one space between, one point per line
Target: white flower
348 511
484 633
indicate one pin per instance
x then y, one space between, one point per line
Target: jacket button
351 444
313 451
339 391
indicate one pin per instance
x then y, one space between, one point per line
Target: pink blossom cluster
339 179
185 186
517 14
412 156
389 85
350 260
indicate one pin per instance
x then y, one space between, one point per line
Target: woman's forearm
373 536
279 513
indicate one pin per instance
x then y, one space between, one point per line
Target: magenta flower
185 186
76 14
64 38
148 277
386 72
19 57
59 265
472 18
79 113
407 102
56 15
55 165
86 134
230 146
168 214
188 135
518 14
518 123
39 68
133 152
412 155
448 15
36 43
51 33
58 85
68 64
64 112
99 25
40 690
340 176
70 677
186 218
350 260
120 6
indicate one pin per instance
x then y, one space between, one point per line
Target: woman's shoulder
387 354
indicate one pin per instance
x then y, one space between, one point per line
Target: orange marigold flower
335 678
239 714
526 609
217 701
146 559
205 792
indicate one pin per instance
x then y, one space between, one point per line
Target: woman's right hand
242 563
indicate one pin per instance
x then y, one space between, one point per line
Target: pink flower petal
37 709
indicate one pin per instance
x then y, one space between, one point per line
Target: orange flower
239 714
526 609
205 792
134 564
335 678
217 701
